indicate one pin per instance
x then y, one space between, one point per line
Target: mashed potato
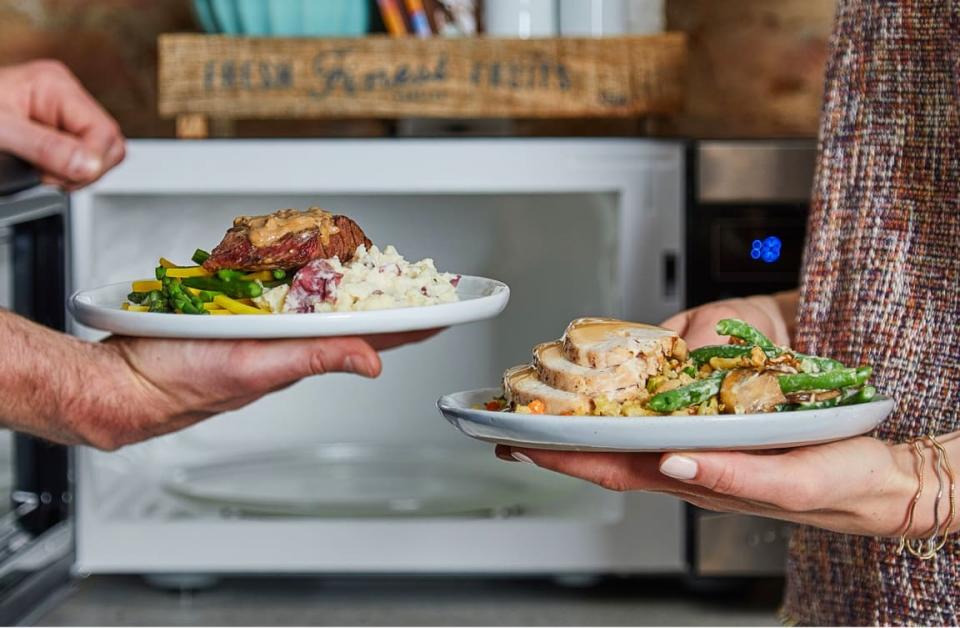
372 280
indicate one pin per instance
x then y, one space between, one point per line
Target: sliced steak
290 251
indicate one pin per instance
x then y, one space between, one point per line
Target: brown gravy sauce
266 230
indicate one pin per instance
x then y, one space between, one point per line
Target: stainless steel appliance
36 542
746 221
342 475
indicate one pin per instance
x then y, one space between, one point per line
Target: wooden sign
381 77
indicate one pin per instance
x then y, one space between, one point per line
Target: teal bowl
284 18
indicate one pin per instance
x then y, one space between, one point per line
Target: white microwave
343 475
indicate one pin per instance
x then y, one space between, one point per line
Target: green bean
689 395
831 380
848 397
702 355
815 364
137 297
234 289
199 257
744 331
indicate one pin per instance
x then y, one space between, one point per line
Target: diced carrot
537 407
493 406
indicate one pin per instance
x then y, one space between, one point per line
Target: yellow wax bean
235 306
263 275
189 271
147 285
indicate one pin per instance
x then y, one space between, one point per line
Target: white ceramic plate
670 433
480 299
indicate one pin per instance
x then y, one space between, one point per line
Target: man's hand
49 119
126 390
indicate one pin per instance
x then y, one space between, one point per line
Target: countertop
129 600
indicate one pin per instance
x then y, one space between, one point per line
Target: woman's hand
857 486
771 314
842 486
49 119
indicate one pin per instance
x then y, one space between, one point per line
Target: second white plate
771 430
480 299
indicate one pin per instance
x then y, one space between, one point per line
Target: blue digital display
766 250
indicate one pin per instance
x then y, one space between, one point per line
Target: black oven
36 538
747 206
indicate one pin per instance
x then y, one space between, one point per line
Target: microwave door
36 537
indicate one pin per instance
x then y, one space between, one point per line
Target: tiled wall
755 67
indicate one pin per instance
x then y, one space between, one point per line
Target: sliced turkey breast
607 342
745 391
617 383
521 386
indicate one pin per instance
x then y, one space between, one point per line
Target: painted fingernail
83 165
503 453
679 467
520 457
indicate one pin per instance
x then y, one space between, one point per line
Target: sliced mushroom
745 391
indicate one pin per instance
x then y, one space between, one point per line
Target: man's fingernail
679 467
520 457
83 165
356 365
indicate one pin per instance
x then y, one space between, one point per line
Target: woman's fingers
784 480
614 471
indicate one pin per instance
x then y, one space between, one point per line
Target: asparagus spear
238 289
199 257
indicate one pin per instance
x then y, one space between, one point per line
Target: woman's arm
126 390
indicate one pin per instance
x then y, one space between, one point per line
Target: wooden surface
379 77
754 68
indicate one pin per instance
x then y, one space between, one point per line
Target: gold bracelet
921 461
927 549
